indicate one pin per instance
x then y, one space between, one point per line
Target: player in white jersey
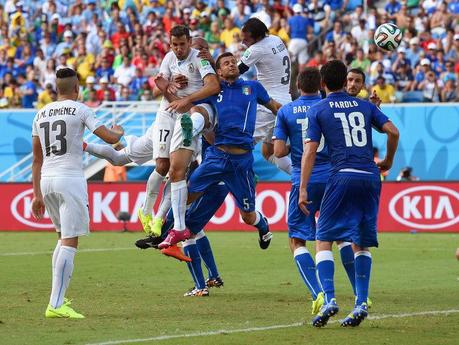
58 180
174 134
270 57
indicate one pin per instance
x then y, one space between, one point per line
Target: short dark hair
309 80
65 72
220 57
357 71
180 30
334 74
256 28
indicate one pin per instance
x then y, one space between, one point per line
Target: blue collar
237 82
307 98
337 94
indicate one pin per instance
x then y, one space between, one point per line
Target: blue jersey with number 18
346 123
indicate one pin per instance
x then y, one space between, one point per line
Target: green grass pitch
129 294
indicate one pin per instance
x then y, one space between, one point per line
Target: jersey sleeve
280 129
204 67
314 131
89 119
262 94
164 69
251 56
378 118
34 128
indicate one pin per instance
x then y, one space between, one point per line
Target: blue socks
347 259
307 270
325 272
260 223
191 249
207 256
362 275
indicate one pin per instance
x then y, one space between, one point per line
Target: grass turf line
138 294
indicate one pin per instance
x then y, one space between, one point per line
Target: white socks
62 272
108 153
55 254
165 204
198 123
283 163
153 186
179 195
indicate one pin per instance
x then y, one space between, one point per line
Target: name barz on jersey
57 112
301 109
343 104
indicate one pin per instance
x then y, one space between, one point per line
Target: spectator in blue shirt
105 70
29 91
392 7
298 26
136 85
413 53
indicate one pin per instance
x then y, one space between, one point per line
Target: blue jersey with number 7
346 123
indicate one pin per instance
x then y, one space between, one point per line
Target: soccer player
58 180
355 82
291 125
230 159
350 203
272 61
174 135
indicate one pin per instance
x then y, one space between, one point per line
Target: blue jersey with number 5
346 123
291 124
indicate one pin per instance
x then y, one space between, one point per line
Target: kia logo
26 216
426 207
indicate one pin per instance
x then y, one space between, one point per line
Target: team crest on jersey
190 68
247 54
246 90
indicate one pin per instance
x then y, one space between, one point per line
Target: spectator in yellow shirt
385 92
227 35
45 97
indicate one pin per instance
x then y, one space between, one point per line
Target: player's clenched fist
38 208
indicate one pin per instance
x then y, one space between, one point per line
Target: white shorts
264 125
167 133
66 200
162 133
298 49
139 149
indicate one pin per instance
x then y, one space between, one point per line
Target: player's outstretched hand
161 82
303 202
118 129
205 54
374 98
181 105
180 80
38 208
384 165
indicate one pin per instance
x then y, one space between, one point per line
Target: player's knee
177 172
295 243
267 150
162 166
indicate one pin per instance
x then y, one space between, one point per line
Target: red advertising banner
421 206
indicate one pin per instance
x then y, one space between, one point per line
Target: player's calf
256 219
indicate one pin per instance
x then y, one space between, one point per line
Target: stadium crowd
116 47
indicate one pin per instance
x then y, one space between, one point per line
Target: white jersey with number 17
60 127
272 61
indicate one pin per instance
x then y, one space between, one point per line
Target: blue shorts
349 209
235 170
204 208
299 225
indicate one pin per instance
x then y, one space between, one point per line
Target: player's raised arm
38 205
110 136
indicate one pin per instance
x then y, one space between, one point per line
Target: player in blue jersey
230 159
291 125
350 204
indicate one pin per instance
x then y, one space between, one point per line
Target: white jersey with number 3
60 127
272 61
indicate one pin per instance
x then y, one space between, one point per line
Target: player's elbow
391 130
214 85
280 150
